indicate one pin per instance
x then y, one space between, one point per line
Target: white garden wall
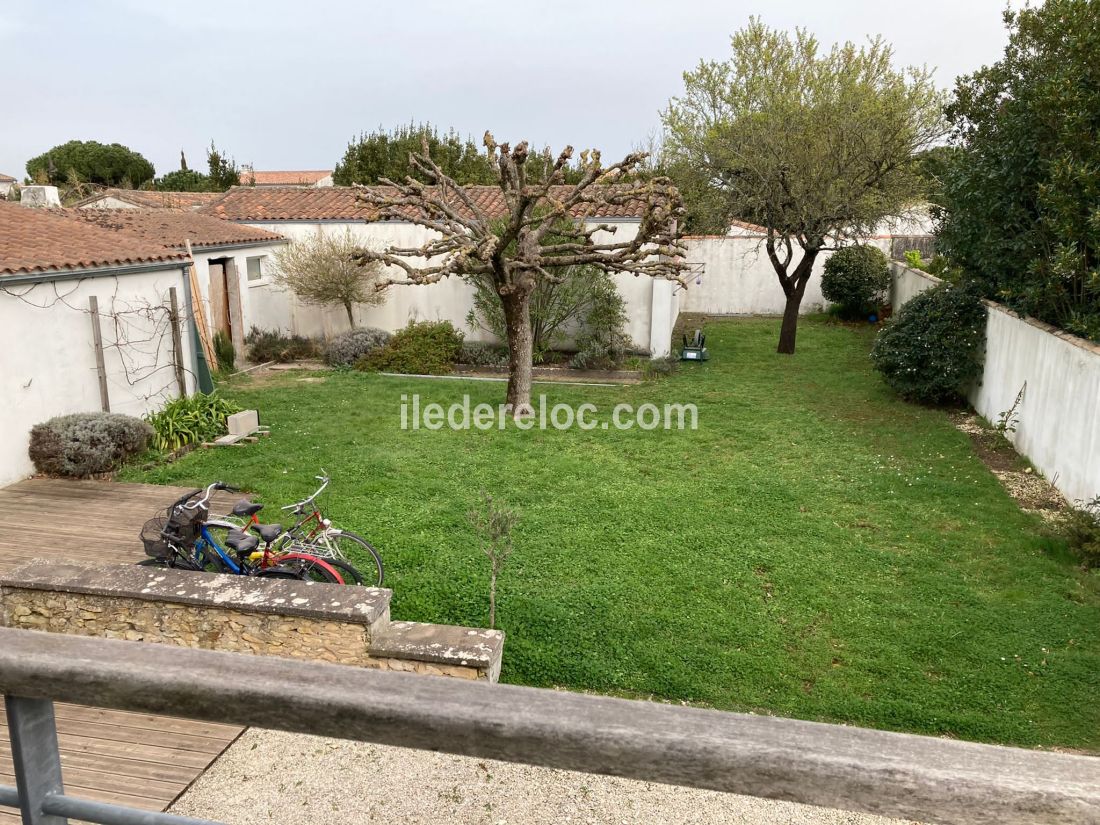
738 278
1058 420
448 300
47 358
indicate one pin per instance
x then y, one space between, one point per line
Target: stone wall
270 617
186 625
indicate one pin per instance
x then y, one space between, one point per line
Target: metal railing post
33 734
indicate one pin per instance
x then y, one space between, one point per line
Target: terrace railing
901 775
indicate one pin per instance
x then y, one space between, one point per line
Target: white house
146 199
51 268
229 258
298 212
6 183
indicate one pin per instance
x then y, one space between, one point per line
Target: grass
815 549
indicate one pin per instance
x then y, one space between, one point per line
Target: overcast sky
284 84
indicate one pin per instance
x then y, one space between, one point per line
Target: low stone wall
301 620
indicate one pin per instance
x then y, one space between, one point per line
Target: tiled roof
751 227
171 227
37 240
338 203
307 177
155 200
6 178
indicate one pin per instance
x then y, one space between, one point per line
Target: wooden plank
132 719
123 789
177 341
125 757
198 311
136 736
97 343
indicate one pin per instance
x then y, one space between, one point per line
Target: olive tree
324 269
544 231
816 146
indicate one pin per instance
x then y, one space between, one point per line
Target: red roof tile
6 178
171 227
149 199
37 240
338 203
284 178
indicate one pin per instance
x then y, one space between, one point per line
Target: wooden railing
915 777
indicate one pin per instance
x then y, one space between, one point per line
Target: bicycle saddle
246 508
268 532
241 542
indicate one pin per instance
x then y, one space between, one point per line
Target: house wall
240 256
448 300
108 202
1058 420
47 358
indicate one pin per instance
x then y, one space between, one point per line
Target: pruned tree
816 146
327 269
547 228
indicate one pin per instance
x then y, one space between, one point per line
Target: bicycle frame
226 558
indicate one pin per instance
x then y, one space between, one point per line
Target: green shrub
556 307
427 348
603 342
265 345
1079 527
856 278
932 349
86 444
190 420
660 367
344 350
224 351
483 355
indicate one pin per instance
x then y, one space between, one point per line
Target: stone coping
316 600
442 644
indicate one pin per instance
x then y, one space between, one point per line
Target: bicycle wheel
277 574
340 545
312 569
348 572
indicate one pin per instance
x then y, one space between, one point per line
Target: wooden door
219 298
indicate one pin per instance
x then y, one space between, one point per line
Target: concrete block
39 196
245 422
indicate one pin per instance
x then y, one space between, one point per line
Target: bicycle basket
184 525
154 539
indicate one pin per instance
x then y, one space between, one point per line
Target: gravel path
269 776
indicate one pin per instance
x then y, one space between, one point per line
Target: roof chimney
42 197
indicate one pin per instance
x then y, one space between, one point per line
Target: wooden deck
107 755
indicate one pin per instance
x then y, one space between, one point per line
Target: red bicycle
313 535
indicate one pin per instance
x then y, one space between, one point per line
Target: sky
285 85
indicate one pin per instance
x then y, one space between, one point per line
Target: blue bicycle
182 541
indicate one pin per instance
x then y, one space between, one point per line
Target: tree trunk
517 317
351 316
789 330
794 288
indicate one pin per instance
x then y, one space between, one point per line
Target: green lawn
816 549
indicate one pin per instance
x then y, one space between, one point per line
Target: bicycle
313 533
183 540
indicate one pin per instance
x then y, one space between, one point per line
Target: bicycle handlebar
299 505
209 491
